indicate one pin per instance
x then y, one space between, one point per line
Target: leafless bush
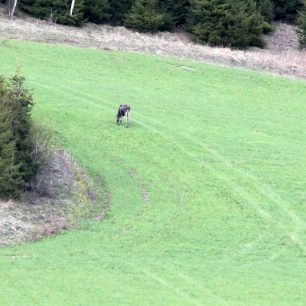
43 142
55 176
284 38
62 195
56 173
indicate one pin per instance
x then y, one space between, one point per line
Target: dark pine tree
287 10
177 10
97 11
27 6
19 104
302 25
118 10
147 16
234 23
11 176
57 11
266 8
17 164
11 181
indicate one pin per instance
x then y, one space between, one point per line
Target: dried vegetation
60 198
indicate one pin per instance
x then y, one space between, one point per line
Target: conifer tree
302 25
57 11
27 6
266 8
177 9
147 16
97 11
118 9
287 9
10 176
234 23
20 103
17 165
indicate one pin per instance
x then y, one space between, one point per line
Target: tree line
234 23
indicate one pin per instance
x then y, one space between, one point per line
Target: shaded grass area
207 184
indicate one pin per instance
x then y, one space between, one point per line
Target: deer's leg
127 119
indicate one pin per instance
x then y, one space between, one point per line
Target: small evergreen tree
10 176
17 165
287 9
57 11
234 23
178 10
302 26
118 9
147 16
266 8
97 11
20 104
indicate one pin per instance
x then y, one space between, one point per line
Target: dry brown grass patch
62 196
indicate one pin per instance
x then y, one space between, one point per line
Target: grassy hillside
208 200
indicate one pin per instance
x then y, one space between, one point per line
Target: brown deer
123 111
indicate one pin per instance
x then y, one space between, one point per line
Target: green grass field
208 197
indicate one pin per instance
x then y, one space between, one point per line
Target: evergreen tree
97 11
287 9
27 6
234 23
118 9
20 104
266 8
178 10
10 176
147 16
302 26
17 165
57 11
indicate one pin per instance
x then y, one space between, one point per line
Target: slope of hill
207 185
281 56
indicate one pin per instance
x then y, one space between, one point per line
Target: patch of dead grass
62 195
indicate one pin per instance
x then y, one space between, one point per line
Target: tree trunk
9 7
13 9
72 7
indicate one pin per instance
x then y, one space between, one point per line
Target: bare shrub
284 38
54 177
43 142
62 195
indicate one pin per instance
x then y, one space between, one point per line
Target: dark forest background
233 23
